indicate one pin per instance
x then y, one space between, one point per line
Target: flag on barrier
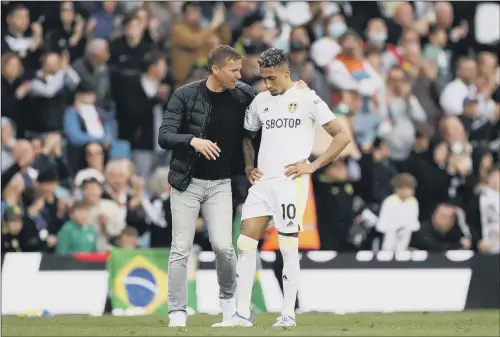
139 281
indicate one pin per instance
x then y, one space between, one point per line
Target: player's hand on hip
253 174
207 148
298 169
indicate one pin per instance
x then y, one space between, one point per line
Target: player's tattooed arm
249 151
339 143
251 171
334 128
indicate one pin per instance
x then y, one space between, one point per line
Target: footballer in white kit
286 115
287 123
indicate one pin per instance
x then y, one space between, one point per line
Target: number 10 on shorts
289 211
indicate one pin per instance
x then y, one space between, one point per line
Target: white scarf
150 89
92 120
489 209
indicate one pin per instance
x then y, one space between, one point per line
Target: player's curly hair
273 57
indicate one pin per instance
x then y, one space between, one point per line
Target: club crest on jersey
292 107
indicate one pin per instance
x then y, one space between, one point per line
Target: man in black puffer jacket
203 126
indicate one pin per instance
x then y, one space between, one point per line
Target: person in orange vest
287 116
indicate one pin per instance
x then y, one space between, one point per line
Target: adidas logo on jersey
285 278
266 110
289 224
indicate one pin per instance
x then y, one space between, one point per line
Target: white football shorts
283 199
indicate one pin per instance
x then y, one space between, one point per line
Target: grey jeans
214 198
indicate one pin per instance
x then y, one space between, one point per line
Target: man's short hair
151 58
252 18
484 54
349 33
128 18
222 54
273 57
31 195
78 205
129 231
464 59
15 8
404 180
188 4
48 176
95 46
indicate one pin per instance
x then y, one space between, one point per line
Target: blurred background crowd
84 86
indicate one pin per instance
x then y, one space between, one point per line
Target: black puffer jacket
187 116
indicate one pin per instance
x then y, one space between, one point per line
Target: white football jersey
287 123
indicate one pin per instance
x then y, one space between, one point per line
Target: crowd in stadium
85 84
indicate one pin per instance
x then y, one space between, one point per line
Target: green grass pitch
468 323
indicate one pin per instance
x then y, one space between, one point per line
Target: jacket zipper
204 128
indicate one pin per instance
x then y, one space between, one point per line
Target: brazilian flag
139 280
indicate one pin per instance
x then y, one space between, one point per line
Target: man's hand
301 84
51 240
163 91
52 144
61 208
137 184
459 32
208 149
78 31
102 219
298 169
89 29
117 22
37 29
218 16
253 174
134 203
483 247
462 165
65 59
200 224
465 243
23 90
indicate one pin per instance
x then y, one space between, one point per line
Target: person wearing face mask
376 35
324 50
376 32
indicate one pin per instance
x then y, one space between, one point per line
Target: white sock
289 247
245 271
